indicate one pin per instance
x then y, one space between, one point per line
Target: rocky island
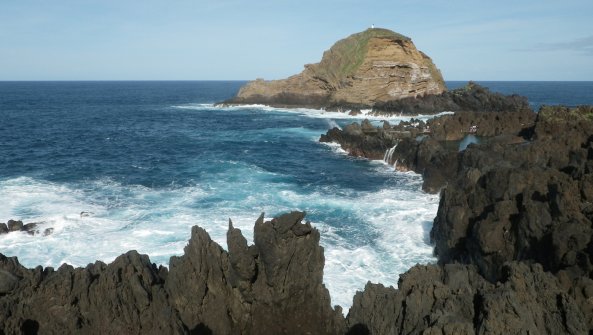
373 66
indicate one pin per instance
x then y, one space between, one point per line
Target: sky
273 39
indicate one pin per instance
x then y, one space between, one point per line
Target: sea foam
238 162
390 234
315 113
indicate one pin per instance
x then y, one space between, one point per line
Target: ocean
148 160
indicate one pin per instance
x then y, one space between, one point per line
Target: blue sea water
149 160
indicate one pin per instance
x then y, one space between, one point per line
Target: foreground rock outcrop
373 66
272 287
529 201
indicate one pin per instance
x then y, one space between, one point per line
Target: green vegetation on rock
348 54
364 69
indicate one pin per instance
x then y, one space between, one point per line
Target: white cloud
582 45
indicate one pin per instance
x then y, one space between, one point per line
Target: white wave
314 113
335 147
401 218
195 106
333 124
158 221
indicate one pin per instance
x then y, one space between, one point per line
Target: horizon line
247 80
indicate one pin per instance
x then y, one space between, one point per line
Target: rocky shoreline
513 231
431 148
512 236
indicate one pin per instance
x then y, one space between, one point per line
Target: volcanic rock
485 124
30 228
521 202
431 149
469 98
15 225
529 202
272 287
455 299
362 140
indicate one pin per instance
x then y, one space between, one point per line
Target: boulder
361 140
31 228
15 225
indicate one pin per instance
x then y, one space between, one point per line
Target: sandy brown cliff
376 65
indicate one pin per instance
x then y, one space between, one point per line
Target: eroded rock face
429 148
363 140
376 65
485 124
454 299
124 297
470 98
527 201
272 287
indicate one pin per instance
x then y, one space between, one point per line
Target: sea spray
333 124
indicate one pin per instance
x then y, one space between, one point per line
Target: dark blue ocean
148 160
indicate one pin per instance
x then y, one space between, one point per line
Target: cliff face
376 65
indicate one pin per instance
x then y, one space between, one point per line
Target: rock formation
272 287
455 300
31 228
431 148
470 98
524 202
373 66
518 218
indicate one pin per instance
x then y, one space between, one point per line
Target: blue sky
232 39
